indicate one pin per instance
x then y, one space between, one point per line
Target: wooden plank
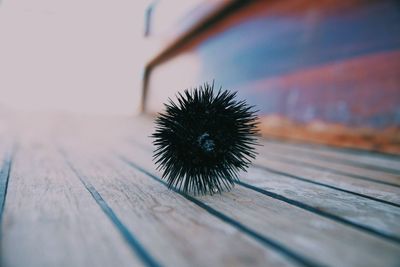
330 166
363 213
51 220
364 159
361 158
174 230
366 214
324 241
376 191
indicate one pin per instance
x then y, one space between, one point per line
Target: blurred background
76 56
323 71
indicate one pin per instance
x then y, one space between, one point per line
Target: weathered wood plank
242 227
380 192
345 207
324 241
364 213
174 230
51 220
374 191
365 159
330 166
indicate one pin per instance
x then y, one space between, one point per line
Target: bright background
76 55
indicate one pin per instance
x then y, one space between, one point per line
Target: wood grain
364 188
374 161
332 167
50 219
174 230
372 215
80 185
322 133
364 213
301 231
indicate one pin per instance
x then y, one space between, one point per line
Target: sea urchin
204 139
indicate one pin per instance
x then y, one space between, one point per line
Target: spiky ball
204 139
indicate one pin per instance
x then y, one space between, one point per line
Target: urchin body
204 139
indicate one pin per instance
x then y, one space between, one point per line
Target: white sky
75 55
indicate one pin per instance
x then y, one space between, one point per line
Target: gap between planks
303 161
364 159
379 192
380 214
136 246
377 217
45 206
149 166
284 246
374 191
115 183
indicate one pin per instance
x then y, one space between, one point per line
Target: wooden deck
83 191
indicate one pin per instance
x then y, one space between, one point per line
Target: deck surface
83 191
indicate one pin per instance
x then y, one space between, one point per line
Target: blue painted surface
270 46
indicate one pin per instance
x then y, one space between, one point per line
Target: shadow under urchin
204 139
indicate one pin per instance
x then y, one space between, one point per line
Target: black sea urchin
204 140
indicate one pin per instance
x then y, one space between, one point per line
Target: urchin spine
204 139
